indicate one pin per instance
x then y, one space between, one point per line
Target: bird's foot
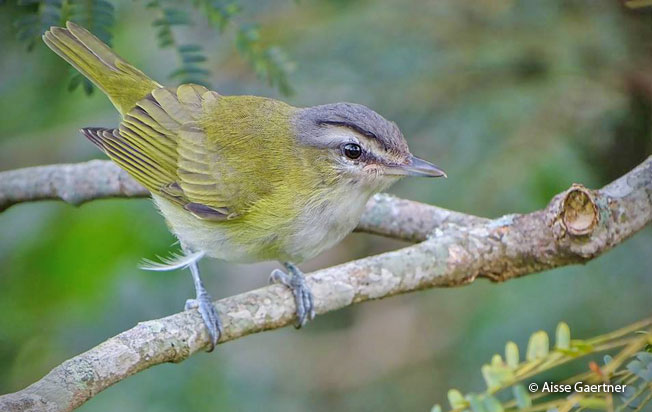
303 299
204 304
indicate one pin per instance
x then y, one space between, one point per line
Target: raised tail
121 82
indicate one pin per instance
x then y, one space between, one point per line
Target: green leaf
491 404
30 27
629 396
74 82
645 357
476 403
562 336
194 58
456 399
495 375
175 17
521 396
538 346
189 70
88 86
511 355
190 48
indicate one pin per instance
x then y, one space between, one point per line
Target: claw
208 312
303 298
278 276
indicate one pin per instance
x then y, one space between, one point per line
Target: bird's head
361 145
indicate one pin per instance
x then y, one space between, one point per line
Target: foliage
268 62
630 366
452 74
41 15
190 55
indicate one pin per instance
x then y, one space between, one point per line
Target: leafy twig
269 63
631 366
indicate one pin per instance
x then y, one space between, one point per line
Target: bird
241 178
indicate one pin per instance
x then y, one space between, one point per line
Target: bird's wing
162 145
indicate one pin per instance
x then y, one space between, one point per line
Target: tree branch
577 225
72 183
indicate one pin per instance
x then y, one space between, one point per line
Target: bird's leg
303 299
204 304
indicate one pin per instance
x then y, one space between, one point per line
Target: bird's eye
352 150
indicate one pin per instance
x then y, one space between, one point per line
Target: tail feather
121 82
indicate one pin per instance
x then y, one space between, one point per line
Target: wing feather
162 144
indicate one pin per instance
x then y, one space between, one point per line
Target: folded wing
162 144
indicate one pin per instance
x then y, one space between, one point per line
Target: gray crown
311 120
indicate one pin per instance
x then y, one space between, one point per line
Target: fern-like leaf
269 63
191 56
39 16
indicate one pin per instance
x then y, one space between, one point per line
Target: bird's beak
416 167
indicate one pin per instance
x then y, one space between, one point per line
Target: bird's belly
324 224
213 239
319 227
316 235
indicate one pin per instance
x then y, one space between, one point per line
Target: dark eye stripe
351 126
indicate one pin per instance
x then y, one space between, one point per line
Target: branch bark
577 225
72 183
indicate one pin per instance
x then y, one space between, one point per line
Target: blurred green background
516 100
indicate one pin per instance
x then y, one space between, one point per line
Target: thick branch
577 225
408 220
72 183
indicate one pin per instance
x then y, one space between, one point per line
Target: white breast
324 223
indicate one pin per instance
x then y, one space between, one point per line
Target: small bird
241 178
